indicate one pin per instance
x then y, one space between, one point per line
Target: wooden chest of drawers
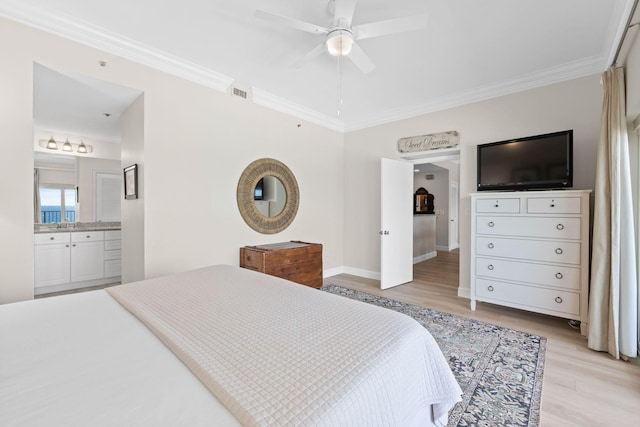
299 262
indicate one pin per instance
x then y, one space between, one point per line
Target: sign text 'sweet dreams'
434 141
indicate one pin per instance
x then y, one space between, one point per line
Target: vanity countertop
71 227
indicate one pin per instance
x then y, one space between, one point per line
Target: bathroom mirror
268 196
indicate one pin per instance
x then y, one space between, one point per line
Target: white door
87 261
396 231
453 216
51 264
108 193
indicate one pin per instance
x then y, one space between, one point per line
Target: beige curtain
36 196
613 299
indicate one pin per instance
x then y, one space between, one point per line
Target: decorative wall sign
434 141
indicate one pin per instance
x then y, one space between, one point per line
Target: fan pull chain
339 88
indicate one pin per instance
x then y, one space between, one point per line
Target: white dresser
530 250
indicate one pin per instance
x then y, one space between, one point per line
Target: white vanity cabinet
112 263
87 255
530 250
52 258
77 259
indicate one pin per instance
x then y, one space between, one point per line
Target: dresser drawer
110 245
551 205
558 302
498 205
112 268
534 250
112 235
51 238
112 255
554 228
87 236
556 276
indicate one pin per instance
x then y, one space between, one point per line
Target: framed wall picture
131 182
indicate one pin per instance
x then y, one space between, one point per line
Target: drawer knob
491 224
66 246
88 237
559 251
560 227
496 205
558 300
490 246
552 205
559 276
490 288
51 238
490 267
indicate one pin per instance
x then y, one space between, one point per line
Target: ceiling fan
340 39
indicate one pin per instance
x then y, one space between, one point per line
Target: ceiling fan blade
391 26
291 22
317 51
344 12
360 59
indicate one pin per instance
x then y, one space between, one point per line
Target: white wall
570 105
132 210
197 142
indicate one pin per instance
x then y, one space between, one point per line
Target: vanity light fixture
67 147
82 148
52 144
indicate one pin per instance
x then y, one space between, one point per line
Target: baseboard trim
333 272
425 257
361 273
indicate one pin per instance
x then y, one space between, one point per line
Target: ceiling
72 104
470 51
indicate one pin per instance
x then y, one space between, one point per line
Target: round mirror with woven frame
245 196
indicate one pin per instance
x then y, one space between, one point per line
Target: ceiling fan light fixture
339 42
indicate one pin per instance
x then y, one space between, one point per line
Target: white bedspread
83 360
277 353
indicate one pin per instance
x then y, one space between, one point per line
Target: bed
217 346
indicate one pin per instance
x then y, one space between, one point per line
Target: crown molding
74 29
113 43
617 28
568 71
274 102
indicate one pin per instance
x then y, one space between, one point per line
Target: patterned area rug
499 369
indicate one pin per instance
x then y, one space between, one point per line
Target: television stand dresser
530 250
299 262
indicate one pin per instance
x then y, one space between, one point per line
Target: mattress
84 359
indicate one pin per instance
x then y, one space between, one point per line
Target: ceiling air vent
240 92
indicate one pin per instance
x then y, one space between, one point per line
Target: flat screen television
257 192
531 163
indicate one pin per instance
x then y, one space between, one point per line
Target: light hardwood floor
581 387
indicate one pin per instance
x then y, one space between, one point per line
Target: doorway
448 160
85 120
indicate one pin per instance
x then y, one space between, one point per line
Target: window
57 203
